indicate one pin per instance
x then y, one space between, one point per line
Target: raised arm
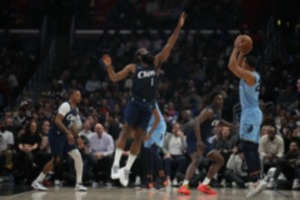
164 54
235 64
128 69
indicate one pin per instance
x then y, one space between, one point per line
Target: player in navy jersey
142 101
199 144
61 140
251 115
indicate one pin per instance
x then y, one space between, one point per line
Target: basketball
246 44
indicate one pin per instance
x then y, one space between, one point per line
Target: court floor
142 194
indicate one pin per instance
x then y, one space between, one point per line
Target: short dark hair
213 95
251 61
72 91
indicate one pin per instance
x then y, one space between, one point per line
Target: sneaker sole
37 188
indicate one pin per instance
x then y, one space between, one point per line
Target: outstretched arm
128 69
164 54
235 63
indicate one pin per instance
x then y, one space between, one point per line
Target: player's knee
75 154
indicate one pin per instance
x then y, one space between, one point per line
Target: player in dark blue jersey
142 101
198 144
61 140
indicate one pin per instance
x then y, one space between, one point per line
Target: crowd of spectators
17 65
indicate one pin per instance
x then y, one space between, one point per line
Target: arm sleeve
64 109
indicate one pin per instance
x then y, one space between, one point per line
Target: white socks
185 182
130 161
206 181
118 154
75 154
41 177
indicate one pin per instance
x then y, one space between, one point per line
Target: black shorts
59 144
138 112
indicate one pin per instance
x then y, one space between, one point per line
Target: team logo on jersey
71 118
247 128
146 74
215 122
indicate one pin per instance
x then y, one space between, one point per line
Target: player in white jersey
244 67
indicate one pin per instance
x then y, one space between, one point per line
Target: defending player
61 140
142 101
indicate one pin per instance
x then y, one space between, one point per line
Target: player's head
216 99
250 63
142 55
75 96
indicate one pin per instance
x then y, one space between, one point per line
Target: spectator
86 131
174 149
6 149
271 148
287 166
113 125
236 169
101 149
29 143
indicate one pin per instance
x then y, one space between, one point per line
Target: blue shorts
191 141
157 136
251 119
59 144
138 113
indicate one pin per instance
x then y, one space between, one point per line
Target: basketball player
61 140
141 103
153 141
251 115
199 144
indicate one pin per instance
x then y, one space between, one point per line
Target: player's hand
147 136
200 147
80 143
237 42
182 19
70 137
167 155
99 155
106 60
180 134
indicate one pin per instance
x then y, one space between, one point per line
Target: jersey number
152 81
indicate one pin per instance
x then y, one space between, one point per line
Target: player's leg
217 162
250 150
57 147
196 158
74 153
158 165
131 115
142 120
78 165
